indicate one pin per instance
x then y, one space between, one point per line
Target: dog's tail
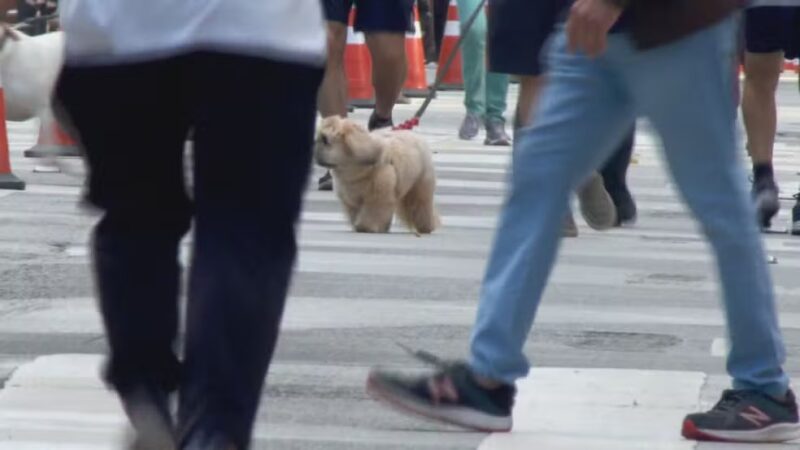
417 208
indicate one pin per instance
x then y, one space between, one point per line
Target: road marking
719 347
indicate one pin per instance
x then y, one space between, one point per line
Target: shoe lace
427 357
730 400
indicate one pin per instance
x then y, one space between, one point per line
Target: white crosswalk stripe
624 339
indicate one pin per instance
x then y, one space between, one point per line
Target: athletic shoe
597 207
745 416
795 229
147 409
469 127
765 196
376 122
325 182
450 395
623 202
208 441
496 133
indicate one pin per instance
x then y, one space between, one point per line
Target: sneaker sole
462 417
780 432
498 142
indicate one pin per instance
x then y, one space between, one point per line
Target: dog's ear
364 147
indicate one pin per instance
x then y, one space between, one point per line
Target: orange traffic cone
53 141
7 179
416 80
358 67
452 79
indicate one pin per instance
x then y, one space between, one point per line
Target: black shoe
325 182
745 416
147 408
496 132
451 395
795 228
376 122
765 196
626 206
201 440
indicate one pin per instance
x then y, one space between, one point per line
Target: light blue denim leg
583 114
687 91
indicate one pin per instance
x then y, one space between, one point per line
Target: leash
414 121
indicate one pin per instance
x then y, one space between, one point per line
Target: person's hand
588 25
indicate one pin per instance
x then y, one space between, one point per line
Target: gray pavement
629 338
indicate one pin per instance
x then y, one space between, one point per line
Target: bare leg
388 51
762 72
332 99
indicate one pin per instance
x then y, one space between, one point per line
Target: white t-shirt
115 31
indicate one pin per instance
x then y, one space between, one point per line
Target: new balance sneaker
450 395
795 228
745 416
597 206
765 196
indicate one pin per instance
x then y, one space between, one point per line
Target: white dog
377 174
29 67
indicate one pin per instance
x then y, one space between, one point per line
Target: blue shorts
372 15
770 29
518 30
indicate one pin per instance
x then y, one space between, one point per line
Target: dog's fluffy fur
377 174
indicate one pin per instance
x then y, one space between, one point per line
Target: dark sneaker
765 196
376 122
624 203
745 416
496 133
325 182
450 395
208 441
597 207
147 409
469 127
795 228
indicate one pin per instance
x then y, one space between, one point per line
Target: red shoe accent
691 432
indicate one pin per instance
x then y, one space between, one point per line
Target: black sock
762 170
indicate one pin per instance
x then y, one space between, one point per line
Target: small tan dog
378 173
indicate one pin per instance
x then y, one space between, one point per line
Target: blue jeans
686 90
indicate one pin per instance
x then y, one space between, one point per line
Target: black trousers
439 21
253 122
615 170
